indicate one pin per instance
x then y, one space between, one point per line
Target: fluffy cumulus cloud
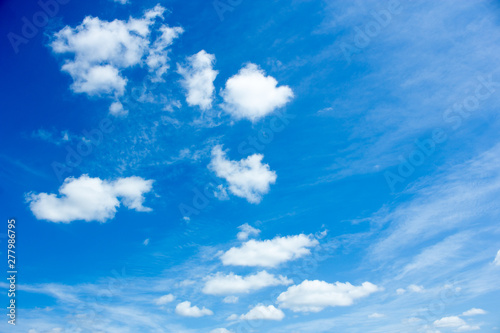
252 95
269 253
456 323
246 230
198 79
220 284
90 199
262 312
314 296
248 178
97 51
165 299
185 309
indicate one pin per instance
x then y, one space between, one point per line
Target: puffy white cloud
455 322
248 178
263 312
231 299
221 330
90 199
235 284
246 231
123 2
269 253
497 259
400 291
185 309
98 50
116 109
474 312
314 296
198 79
165 299
251 94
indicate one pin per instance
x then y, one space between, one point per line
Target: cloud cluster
252 95
198 79
185 309
90 199
269 253
98 50
248 178
314 296
220 284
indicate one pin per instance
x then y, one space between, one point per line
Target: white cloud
455 322
251 94
165 299
185 309
235 284
497 259
96 51
314 296
231 299
146 242
90 199
376 315
246 231
116 109
123 2
198 79
416 289
269 253
263 312
221 330
400 291
157 59
247 178
474 312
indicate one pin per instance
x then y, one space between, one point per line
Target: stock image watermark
223 6
31 26
454 116
363 37
11 271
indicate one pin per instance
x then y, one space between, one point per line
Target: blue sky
252 166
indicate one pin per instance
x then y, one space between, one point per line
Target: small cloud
376 315
497 259
116 109
185 309
474 312
262 312
252 95
165 299
221 330
247 178
146 242
231 299
416 289
400 291
246 230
